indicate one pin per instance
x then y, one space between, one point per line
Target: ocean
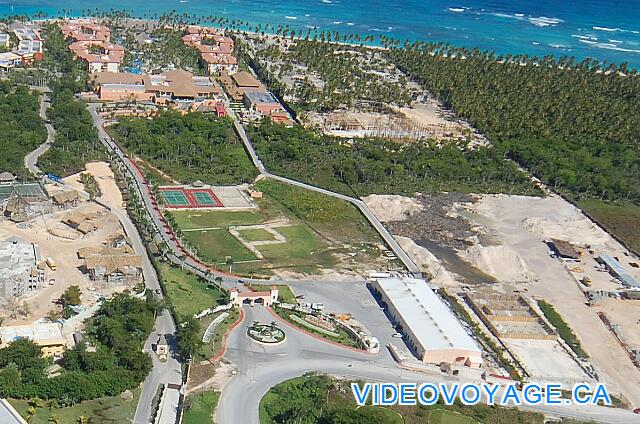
606 30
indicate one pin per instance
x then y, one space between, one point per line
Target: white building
429 326
19 269
4 40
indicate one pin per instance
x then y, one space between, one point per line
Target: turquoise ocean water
607 30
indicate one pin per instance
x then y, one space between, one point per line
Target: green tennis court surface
175 197
204 198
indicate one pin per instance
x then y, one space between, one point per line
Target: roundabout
268 334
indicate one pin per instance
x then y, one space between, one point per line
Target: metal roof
427 316
619 271
8 415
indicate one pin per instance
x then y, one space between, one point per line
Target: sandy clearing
427 262
389 208
105 178
64 252
506 217
501 262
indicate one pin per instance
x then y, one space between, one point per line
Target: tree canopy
188 147
366 166
574 125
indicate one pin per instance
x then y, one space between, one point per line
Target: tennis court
187 198
175 198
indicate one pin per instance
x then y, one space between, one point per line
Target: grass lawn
621 219
441 416
256 234
187 293
379 414
215 245
321 228
344 338
105 410
215 219
211 349
285 294
200 408
303 251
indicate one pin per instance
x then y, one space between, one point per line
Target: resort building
240 83
47 335
8 415
216 50
428 325
4 40
617 270
264 103
264 298
170 86
22 201
112 265
9 60
19 270
29 46
100 56
85 30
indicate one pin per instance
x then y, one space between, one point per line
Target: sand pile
577 229
389 208
427 262
501 262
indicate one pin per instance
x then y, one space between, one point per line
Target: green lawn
320 227
441 416
256 234
215 245
106 410
187 293
621 219
215 219
201 407
379 414
207 351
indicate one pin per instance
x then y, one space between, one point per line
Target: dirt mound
578 229
389 208
427 262
501 262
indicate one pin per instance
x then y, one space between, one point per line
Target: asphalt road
31 159
259 368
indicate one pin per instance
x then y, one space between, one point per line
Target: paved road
260 368
31 159
162 372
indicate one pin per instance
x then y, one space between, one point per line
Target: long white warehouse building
429 326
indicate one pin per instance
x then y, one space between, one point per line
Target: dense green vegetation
76 140
369 77
118 330
571 124
619 218
564 331
318 399
21 128
103 410
189 148
366 166
199 407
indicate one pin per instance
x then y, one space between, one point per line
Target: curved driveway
31 159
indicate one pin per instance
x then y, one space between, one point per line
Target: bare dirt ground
626 314
106 182
521 223
64 252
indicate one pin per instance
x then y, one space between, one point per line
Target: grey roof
8 415
162 340
428 318
619 271
7 176
258 97
21 189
